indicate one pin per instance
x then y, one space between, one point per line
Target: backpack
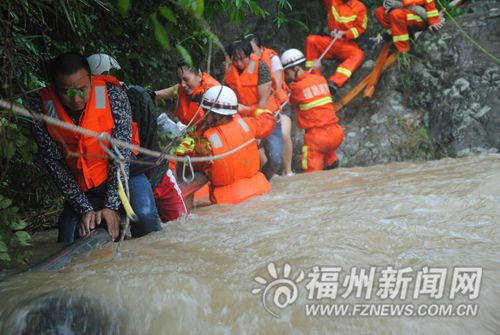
144 114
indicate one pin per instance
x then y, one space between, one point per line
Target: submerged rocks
66 312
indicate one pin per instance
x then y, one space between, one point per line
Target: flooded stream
197 276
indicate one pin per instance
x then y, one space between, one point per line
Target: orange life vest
90 168
245 85
313 100
281 94
236 177
187 105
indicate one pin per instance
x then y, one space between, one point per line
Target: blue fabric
141 199
273 146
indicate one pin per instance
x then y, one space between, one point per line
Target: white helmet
221 100
292 57
101 63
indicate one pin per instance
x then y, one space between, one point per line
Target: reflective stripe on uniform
315 103
365 21
401 38
251 67
304 157
51 109
432 13
343 19
216 142
344 71
354 32
389 31
309 63
243 125
100 97
413 17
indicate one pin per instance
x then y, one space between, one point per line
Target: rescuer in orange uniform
78 163
235 177
397 16
272 59
315 113
347 20
188 92
251 80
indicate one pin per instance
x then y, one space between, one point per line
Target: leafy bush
146 37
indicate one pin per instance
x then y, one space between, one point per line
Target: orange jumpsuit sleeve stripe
360 25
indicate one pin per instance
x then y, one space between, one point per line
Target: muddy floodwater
433 227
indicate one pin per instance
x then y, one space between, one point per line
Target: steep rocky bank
446 103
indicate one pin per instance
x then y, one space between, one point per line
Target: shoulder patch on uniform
215 140
243 125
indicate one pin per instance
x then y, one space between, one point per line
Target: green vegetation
146 37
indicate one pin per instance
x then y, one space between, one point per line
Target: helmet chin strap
296 71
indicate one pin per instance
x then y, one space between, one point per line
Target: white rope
10 106
325 52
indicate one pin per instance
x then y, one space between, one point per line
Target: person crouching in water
313 103
236 177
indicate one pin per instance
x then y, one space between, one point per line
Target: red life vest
266 56
245 85
90 167
187 105
236 177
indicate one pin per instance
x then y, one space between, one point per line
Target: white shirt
276 64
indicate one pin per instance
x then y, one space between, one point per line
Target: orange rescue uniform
313 102
245 85
187 105
236 177
397 21
90 168
349 17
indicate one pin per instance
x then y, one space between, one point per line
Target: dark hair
240 46
191 68
67 64
254 38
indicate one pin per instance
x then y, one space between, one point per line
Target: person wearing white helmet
88 180
236 177
167 194
102 63
313 103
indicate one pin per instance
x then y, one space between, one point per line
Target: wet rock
66 312
446 104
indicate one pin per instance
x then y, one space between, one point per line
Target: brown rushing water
196 277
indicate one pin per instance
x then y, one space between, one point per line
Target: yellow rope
486 52
129 211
